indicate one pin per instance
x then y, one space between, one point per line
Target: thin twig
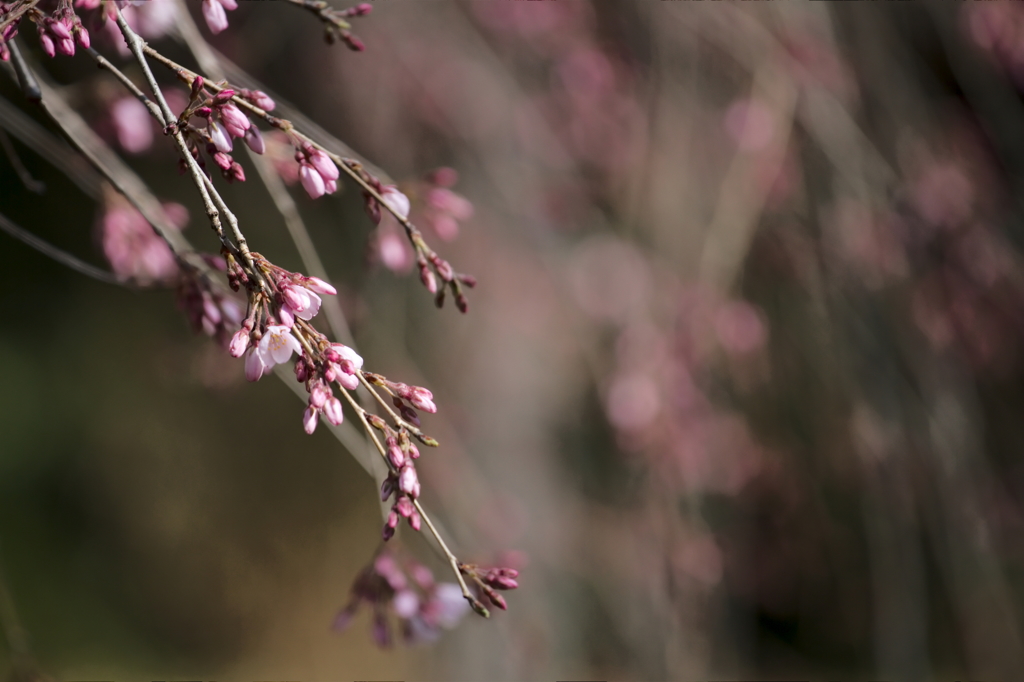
212 200
351 167
26 80
62 257
31 184
449 556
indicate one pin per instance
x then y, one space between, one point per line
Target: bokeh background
740 388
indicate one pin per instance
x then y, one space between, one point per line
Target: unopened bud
223 96
239 343
333 411
496 599
428 279
407 480
309 419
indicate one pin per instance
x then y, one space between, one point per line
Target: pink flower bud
388 487
323 164
395 454
286 316
254 366
414 521
223 96
349 354
312 181
319 395
389 531
392 519
319 286
216 17
236 173
260 99
414 452
421 399
331 372
396 200
220 138
301 371
330 186
497 600
408 480
296 297
234 120
349 381
254 139
428 279
404 506
47 44
354 44
333 411
239 342
58 29
309 419
83 38
222 160
66 46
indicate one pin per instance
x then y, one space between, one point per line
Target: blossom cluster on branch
279 305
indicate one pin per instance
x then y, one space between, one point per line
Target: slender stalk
449 556
212 200
62 257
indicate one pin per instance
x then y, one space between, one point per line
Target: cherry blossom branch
212 200
449 556
211 63
100 157
16 14
429 262
334 20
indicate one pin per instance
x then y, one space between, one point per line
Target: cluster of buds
60 31
215 15
422 606
335 25
208 308
431 266
318 174
342 365
271 333
218 120
134 251
402 481
443 209
487 582
416 396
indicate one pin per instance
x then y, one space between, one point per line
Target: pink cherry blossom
277 346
